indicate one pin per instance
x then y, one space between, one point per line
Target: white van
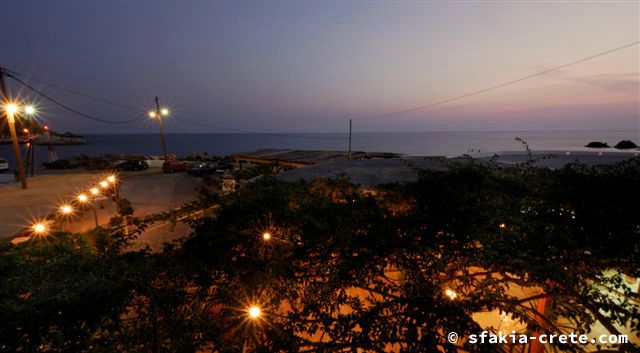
4 165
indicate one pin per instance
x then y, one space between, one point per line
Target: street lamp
66 210
95 192
39 228
84 199
159 113
254 312
451 294
266 236
11 109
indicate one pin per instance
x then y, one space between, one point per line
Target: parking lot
149 191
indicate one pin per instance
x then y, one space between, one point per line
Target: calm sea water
415 144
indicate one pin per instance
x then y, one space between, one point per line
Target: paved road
150 191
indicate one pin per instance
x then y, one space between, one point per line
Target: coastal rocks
622 145
54 138
625 145
597 144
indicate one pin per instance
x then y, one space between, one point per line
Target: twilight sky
293 66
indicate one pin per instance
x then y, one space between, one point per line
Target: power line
11 73
260 133
473 93
115 104
87 116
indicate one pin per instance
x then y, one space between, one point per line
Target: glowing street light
95 192
159 113
502 225
11 109
104 184
29 110
39 228
254 312
83 198
111 179
451 294
266 236
66 209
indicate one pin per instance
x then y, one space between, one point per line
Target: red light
46 127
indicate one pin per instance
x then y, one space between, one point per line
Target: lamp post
95 192
112 180
11 109
66 211
84 199
39 229
158 114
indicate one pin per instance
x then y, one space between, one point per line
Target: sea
408 143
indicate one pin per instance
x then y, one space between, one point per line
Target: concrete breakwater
48 139
60 139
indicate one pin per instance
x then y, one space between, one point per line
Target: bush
345 270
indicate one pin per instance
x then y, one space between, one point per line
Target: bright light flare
83 198
266 236
11 108
254 312
152 114
451 294
111 179
29 109
164 111
104 184
66 209
39 228
502 226
94 191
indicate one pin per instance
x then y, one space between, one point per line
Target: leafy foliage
345 269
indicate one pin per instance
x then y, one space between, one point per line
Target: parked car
4 165
98 164
132 165
174 166
201 168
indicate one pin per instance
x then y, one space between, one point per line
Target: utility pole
12 129
159 116
350 125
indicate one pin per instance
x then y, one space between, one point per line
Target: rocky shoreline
51 138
